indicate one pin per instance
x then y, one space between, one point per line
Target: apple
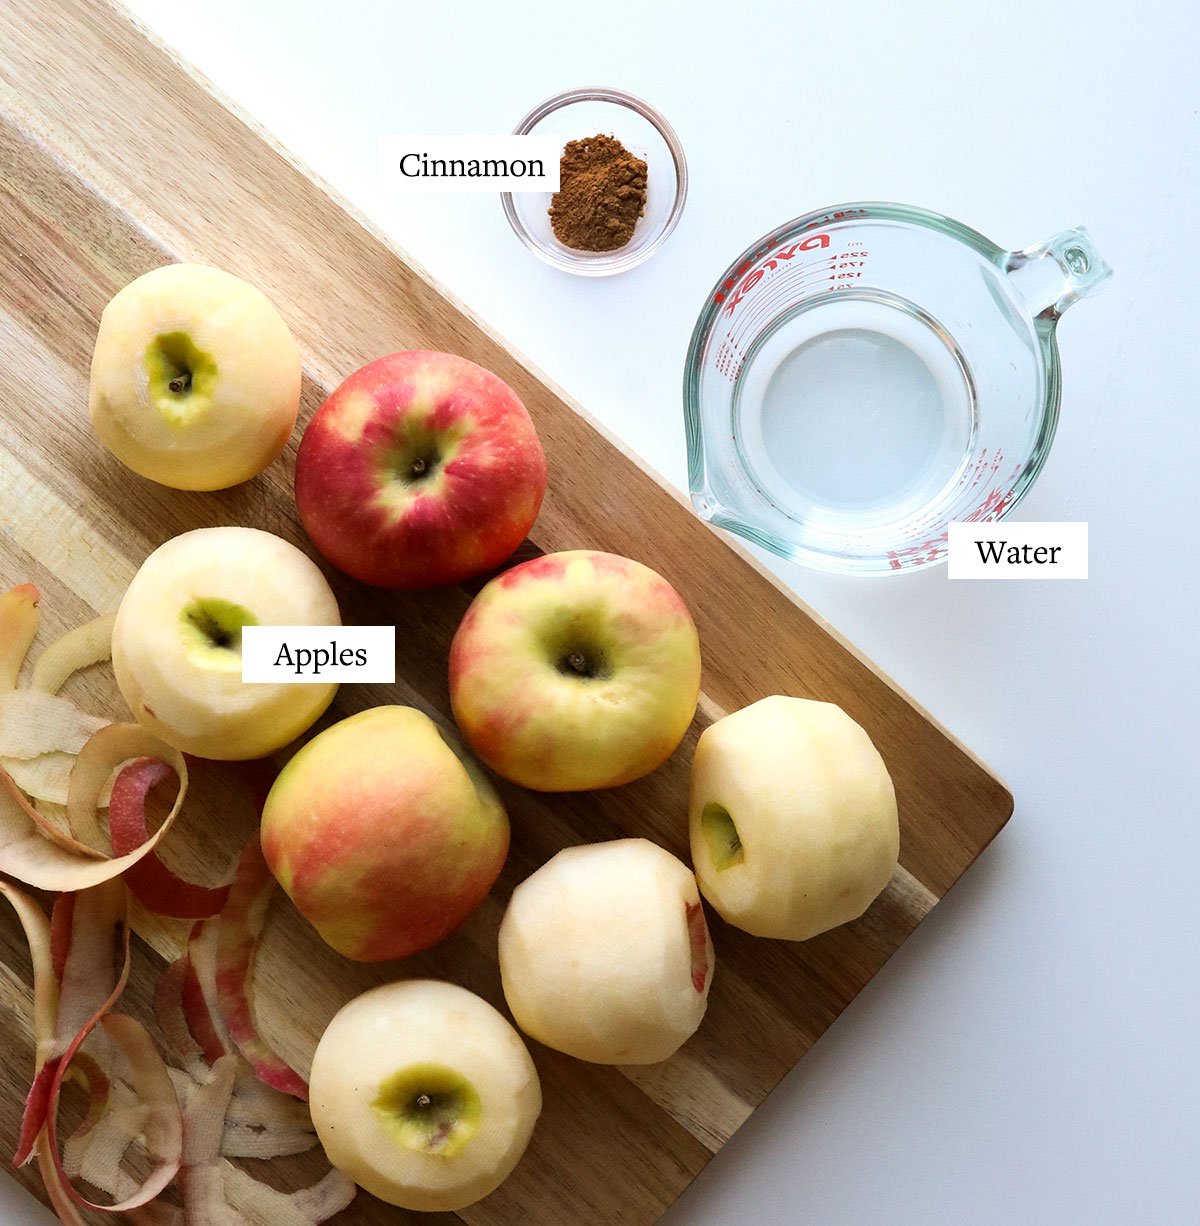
574 671
792 818
421 469
424 1095
195 378
605 955
177 641
384 833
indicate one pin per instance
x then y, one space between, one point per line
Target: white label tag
1010 550
304 654
470 163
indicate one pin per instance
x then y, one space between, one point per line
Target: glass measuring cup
867 374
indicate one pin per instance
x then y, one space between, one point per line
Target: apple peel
219 1194
94 773
32 847
36 927
162 1126
96 1084
80 648
263 1141
260 1122
239 928
200 993
74 957
254 1202
81 942
18 625
700 944
149 880
45 981
33 723
204 1116
96 1154
35 851
61 917
81 962
46 778
97 934
256 1105
169 1013
39 754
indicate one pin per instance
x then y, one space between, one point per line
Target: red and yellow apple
793 818
605 954
424 1095
384 833
574 671
421 469
195 378
177 641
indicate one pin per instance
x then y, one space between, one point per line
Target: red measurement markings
849 266
792 284
729 360
732 291
785 283
927 551
1000 497
835 272
995 503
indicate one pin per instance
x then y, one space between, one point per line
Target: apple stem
418 467
423 1100
180 383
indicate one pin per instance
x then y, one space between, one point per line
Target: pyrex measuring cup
865 375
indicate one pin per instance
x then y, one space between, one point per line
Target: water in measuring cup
854 413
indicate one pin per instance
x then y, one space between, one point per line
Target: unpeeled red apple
424 1095
195 378
421 469
576 670
385 834
793 818
177 641
605 954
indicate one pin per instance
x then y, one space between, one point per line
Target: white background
1030 1055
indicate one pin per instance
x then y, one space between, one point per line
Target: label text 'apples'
332 653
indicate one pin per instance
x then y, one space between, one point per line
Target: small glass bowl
580 113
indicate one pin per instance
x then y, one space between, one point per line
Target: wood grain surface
114 159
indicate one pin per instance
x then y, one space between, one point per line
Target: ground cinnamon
601 195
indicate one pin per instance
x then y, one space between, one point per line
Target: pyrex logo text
814 242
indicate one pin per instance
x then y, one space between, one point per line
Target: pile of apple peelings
225 1094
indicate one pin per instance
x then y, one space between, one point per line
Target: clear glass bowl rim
865 210
591 266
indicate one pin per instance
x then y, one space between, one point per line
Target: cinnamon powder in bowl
601 197
622 187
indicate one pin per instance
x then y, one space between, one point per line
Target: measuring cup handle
1052 275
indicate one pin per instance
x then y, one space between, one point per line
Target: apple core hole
721 837
420 466
179 373
428 1108
585 661
213 624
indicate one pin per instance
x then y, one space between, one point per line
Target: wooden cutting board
115 158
